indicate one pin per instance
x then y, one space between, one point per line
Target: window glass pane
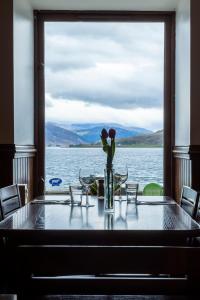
100 74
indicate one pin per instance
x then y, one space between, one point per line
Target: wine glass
120 177
87 179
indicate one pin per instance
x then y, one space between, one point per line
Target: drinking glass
76 194
120 177
87 178
131 192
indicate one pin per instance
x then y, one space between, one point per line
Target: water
145 165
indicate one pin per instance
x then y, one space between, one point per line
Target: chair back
10 200
153 189
189 201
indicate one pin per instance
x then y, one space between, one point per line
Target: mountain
58 136
153 139
90 132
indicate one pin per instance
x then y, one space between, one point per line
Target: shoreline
100 147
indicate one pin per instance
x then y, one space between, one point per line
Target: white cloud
82 112
117 64
102 72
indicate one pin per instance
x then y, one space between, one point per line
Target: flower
108 148
104 133
112 133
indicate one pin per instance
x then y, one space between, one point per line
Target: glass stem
87 191
120 192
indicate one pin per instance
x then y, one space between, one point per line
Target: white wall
23 73
182 96
154 5
23 57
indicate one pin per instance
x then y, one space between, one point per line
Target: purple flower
104 133
112 133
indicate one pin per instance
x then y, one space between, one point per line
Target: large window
104 74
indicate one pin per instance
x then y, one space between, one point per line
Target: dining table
51 219
54 247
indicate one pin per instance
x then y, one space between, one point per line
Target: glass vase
109 189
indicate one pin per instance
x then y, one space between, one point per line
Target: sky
104 72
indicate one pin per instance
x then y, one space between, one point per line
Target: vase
109 189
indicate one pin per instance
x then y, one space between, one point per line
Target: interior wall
23 73
182 96
6 72
23 59
195 73
150 5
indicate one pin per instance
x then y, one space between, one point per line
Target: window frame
168 17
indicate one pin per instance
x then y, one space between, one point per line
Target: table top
158 213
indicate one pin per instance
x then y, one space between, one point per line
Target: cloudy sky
105 72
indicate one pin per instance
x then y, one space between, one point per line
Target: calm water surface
144 164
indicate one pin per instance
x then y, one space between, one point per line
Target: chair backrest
189 201
153 189
10 200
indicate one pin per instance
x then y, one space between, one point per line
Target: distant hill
58 136
153 139
65 135
90 132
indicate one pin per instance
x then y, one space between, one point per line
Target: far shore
99 146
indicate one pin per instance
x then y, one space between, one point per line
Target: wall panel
186 168
17 166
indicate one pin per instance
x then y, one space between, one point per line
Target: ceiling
147 5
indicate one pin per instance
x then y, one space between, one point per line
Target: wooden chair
10 200
189 201
63 269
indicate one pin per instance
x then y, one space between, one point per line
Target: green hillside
154 139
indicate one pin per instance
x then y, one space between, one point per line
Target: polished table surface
155 217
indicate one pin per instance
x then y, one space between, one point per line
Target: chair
153 189
189 201
10 200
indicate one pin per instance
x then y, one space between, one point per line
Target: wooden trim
102 15
25 151
181 152
169 105
39 99
17 163
187 152
187 168
16 151
107 16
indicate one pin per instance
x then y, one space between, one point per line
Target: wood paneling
17 166
23 167
186 168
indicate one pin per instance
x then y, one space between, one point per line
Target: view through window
102 75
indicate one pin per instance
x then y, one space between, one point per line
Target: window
87 68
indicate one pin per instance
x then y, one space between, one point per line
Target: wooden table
157 220
54 249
